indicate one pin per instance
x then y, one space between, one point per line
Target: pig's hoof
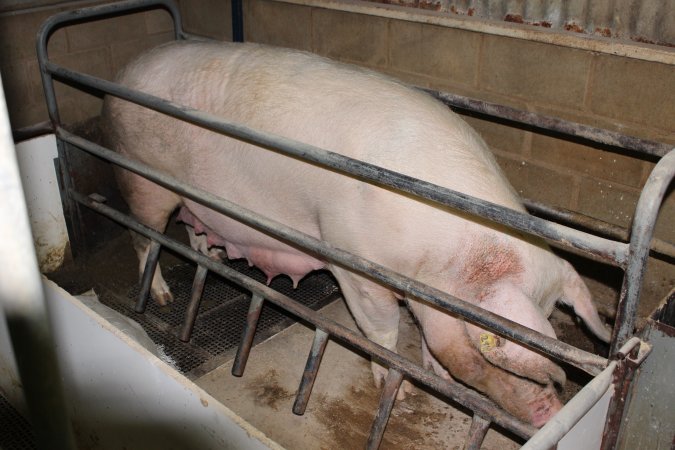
406 389
163 298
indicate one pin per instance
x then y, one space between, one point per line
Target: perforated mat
222 313
15 431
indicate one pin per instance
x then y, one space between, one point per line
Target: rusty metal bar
586 361
542 121
477 432
593 246
461 394
311 369
195 300
387 398
659 247
244 349
644 222
148 274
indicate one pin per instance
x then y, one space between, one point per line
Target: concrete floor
344 399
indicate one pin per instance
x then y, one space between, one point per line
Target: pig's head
520 380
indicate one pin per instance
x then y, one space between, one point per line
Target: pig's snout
542 409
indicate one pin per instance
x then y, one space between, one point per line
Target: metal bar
586 361
195 300
593 246
148 274
389 391
659 247
22 299
554 430
244 349
644 222
311 369
465 396
542 121
237 21
477 432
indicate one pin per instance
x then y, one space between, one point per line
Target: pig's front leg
376 312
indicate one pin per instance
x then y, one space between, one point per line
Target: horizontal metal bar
658 246
465 396
604 249
545 122
586 361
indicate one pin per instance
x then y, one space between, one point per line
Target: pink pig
369 117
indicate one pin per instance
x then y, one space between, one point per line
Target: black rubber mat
222 313
15 431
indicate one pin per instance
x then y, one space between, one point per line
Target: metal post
389 391
195 300
311 369
148 274
244 349
23 301
237 21
477 432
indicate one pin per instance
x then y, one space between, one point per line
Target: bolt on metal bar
586 361
311 370
195 300
387 398
596 247
605 229
23 302
248 334
148 274
644 222
545 122
463 395
477 432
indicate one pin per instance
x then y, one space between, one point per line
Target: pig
372 118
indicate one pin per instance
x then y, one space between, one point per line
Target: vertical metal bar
477 432
311 369
148 274
391 385
644 222
247 337
195 300
237 21
22 299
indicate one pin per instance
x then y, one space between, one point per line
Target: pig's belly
269 255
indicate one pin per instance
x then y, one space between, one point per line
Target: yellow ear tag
488 342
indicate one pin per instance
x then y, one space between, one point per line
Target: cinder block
92 35
540 73
28 115
665 225
123 52
353 37
538 183
212 18
434 51
498 136
587 160
634 91
280 24
15 85
607 201
78 107
158 21
18 35
94 62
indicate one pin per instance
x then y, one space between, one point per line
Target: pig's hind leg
151 205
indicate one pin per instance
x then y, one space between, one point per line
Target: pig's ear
577 295
510 302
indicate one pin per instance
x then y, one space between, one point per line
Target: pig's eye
488 342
